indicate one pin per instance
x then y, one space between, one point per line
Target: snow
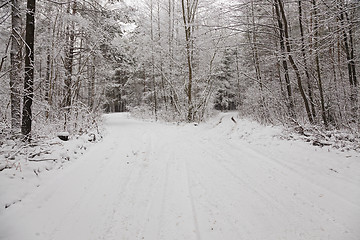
64 134
215 180
26 167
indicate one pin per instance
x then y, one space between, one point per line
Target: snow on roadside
333 168
24 167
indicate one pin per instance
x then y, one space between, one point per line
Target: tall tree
292 61
282 39
189 9
317 62
347 32
69 56
153 77
305 62
29 70
16 64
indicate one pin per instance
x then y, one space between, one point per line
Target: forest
179 119
64 63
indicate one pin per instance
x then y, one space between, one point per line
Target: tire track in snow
220 202
262 188
208 208
194 213
153 206
84 196
144 194
300 202
307 194
111 220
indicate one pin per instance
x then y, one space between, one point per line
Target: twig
232 118
16 152
38 153
4 167
42 160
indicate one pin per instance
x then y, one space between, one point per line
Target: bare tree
282 37
189 9
16 66
29 70
317 62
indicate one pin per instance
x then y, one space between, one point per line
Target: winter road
162 181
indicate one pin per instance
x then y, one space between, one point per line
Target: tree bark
161 67
292 62
189 12
16 63
48 65
171 10
317 62
290 102
306 68
29 70
349 51
153 60
256 61
69 57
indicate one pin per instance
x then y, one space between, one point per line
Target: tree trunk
78 83
69 57
29 70
349 51
303 52
92 84
188 14
160 56
317 62
15 73
292 62
290 102
171 51
48 66
153 60
256 61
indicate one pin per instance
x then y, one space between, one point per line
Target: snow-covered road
213 181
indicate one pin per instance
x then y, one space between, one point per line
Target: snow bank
25 167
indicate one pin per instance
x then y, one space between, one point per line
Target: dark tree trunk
48 66
284 62
153 79
69 58
349 51
188 13
91 83
256 61
29 70
303 52
317 62
68 65
292 62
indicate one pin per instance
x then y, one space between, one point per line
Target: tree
282 24
312 115
347 32
317 62
225 98
292 61
29 70
189 10
16 65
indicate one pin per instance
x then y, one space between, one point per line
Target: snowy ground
218 180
